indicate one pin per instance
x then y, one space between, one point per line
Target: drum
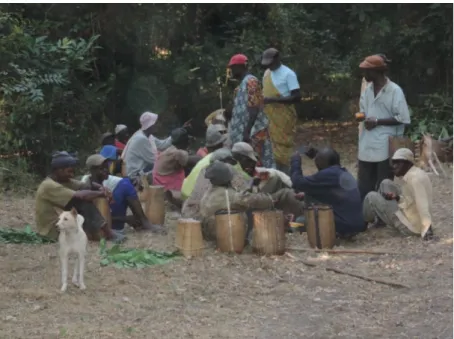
230 231
268 232
155 206
189 239
320 226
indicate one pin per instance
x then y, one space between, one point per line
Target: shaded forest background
72 71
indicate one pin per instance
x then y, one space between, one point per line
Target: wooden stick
340 251
380 281
363 277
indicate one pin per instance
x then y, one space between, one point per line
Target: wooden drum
103 207
230 231
189 239
320 226
268 232
155 209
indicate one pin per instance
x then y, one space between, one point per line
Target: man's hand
296 156
246 137
311 153
390 196
187 123
299 196
256 181
267 101
370 123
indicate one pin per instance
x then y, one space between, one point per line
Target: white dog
72 239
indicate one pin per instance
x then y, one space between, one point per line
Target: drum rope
230 220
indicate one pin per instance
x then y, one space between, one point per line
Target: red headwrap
373 61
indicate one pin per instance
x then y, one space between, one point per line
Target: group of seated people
200 184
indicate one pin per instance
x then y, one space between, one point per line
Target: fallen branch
340 251
377 280
363 277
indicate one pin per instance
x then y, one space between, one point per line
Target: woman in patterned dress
248 122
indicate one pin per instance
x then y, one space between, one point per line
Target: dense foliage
71 71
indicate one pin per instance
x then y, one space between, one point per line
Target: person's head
62 166
326 157
244 154
122 133
147 121
98 167
374 67
223 155
216 136
219 174
108 138
238 66
180 138
271 59
402 160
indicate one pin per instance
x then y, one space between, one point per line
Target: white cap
404 154
245 149
120 128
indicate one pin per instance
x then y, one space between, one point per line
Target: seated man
220 176
110 152
60 191
124 195
406 207
268 180
138 154
171 164
332 185
216 135
191 206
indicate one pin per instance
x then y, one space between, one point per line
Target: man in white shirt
386 111
406 205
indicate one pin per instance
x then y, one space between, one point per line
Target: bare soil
242 296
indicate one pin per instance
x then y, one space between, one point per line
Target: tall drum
320 226
268 232
155 206
230 231
189 239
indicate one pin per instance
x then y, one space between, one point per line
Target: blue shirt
336 187
285 80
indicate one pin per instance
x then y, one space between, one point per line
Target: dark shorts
121 194
93 219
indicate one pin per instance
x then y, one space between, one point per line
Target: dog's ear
74 212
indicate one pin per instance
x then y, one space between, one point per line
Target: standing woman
281 91
249 123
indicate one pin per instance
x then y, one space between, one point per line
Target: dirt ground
242 296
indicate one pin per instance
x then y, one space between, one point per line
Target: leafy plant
26 236
132 258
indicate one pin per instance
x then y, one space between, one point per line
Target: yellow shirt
189 182
52 194
415 204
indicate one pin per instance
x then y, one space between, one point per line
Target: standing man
386 110
281 91
249 123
